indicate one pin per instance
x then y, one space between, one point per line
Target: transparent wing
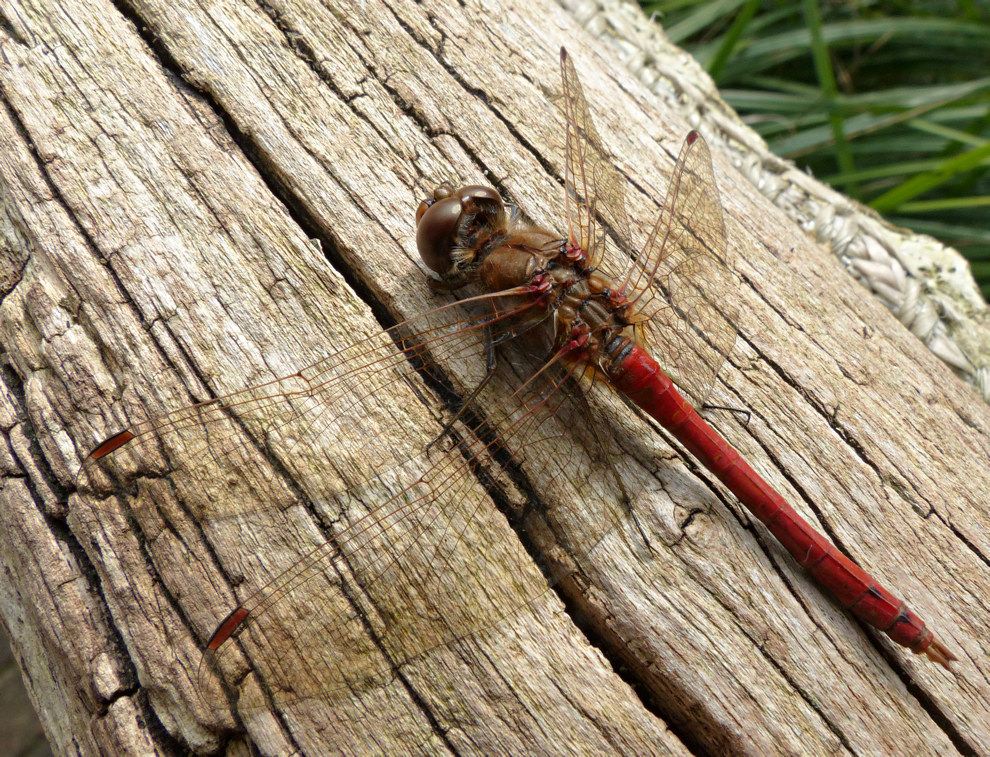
682 281
385 572
595 193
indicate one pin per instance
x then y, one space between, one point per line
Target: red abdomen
642 380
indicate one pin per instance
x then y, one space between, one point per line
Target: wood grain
199 197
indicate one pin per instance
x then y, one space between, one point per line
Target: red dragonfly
585 311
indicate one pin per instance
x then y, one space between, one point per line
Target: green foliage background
886 100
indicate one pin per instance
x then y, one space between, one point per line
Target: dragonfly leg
491 365
737 410
439 286
603 447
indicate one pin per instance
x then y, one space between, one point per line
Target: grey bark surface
203 196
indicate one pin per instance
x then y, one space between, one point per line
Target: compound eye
435 231
480 194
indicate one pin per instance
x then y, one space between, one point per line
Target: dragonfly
588 317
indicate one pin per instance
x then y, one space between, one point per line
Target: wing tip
110 444
227 627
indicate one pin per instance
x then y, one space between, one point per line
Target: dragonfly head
453 227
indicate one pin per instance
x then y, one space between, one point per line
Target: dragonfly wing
684 280
385 572
597 219
216 444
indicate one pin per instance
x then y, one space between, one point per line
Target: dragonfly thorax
583 309
466 235
592 313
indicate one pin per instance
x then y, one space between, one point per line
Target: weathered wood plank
160 238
